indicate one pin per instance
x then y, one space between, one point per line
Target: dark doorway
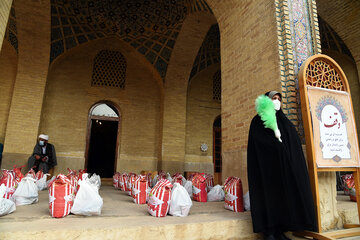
102 147
217 150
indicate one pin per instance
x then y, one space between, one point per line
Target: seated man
44 156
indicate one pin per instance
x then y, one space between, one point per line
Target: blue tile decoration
147 26
209 52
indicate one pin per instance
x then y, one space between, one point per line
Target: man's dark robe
40 165
279 186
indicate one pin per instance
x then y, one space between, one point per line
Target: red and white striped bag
139 190
39 175
61 196
149 180
234 195
123 179
31 173
209 181
177 178
199 188
18 173
9 180
116 178
131 182
159 198
74 181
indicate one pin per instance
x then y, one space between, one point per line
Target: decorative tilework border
298 39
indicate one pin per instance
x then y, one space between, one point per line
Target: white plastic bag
216 194
95 179
247 201
41 183
168 177
87 201
50 180
6 206
188 187
180 202
26 192
154 181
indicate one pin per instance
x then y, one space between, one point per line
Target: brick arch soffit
185 50
133 52
144 25
209 52
331 40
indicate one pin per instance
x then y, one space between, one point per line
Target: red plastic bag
234 195
39 175
31 173
159 198
199 188
18 174
7 177
116 179
61 196
139 190
209 181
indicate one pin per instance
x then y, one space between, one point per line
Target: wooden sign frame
322 71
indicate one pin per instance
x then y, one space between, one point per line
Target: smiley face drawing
333 133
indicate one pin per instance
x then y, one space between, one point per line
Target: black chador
280 194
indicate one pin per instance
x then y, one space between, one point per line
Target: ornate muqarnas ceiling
150 26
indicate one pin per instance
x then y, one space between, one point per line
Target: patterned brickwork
109 69
298 38
151 27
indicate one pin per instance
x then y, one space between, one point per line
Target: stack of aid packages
75 193
162 199
233 194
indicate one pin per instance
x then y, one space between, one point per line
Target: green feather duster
265 108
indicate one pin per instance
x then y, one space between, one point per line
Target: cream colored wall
8 68
69 96
201 112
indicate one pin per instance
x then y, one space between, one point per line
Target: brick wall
33 60
249 67
8 67
69 97
201 112
185 50
5 6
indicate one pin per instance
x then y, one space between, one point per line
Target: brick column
5 6
187 45
33 26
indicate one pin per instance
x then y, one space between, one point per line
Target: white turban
43 136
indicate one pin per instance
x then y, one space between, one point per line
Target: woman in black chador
280 194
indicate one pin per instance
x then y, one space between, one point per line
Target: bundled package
180 202
6 206
149 180
131 181
61 195
159 198
39 174
123 182
87 201
74 181
18 174
7 177
234 194
41 183
216 194
139 190
177 178
199 188
95 180
26 192
31 173
116 179
209 181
